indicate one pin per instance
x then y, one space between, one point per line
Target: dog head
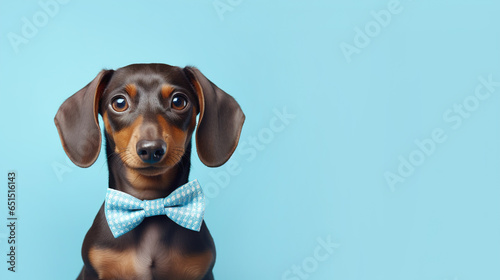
149 113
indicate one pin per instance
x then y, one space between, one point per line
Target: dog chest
158 254
134 264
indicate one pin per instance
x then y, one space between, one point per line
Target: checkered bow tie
185 206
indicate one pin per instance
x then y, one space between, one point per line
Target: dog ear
77 122
220 121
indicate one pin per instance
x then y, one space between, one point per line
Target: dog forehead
149 76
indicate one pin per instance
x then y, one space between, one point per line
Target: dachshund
149 114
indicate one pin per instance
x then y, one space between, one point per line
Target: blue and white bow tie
185 206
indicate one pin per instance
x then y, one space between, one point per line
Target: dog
149 114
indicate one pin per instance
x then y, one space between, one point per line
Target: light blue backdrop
371 148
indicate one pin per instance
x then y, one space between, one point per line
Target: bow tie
185 206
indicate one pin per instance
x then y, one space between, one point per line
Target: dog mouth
151 170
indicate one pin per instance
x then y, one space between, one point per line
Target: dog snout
151 151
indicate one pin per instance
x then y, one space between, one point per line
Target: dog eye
119 104
179 102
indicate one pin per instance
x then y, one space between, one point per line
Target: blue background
318 176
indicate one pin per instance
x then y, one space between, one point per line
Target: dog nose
151 151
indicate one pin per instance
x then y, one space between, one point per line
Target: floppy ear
220 121
77 123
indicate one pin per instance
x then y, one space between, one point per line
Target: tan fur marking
131 89
175 139
111 264
189 267
201 99
193 121
195 267
123 138
105 119
166 90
